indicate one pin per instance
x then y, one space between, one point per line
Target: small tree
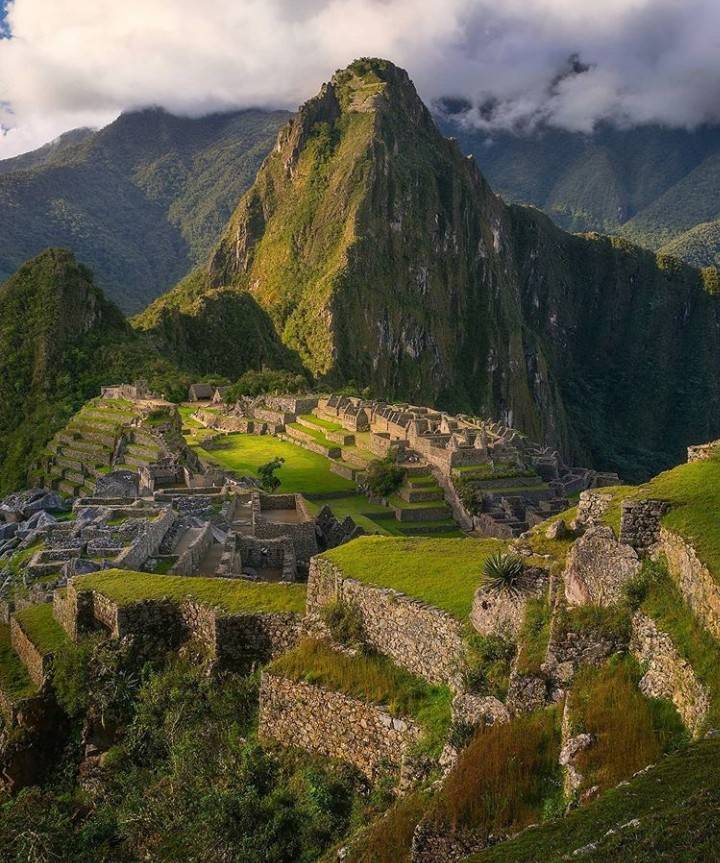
266 473
384 477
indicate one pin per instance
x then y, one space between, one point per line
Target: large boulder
598 568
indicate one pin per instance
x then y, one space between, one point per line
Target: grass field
372 678
303 471
232 595
371 516
14 680
41 627
442 572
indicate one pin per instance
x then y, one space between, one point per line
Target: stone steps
69 463
98 457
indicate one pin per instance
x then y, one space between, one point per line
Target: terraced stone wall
37 665
667 674
332 724
425 640
695 581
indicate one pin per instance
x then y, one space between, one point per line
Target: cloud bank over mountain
504 65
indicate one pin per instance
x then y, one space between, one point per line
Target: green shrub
71 676
344 622
384 477
488 659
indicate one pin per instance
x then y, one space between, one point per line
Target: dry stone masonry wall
695 581
333 724
423 639
667 674
640 523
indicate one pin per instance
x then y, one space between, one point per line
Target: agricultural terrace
442 572
372 678
694 492
231 595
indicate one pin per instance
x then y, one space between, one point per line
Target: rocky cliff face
382 256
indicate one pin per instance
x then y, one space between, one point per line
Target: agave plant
503 572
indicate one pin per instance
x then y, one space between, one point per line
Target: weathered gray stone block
598 567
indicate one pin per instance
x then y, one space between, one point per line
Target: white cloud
80 62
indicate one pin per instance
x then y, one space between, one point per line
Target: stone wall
640 522
148 543
592 506
37 665
695 581
232 640
333 724
703 452
189 560
667 674
423 639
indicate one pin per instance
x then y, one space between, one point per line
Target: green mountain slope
381 256
60 340
650 184
141 201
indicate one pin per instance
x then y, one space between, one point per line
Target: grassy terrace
14 680
442 572
303 471
316 434
665 604
231 595
328 425
694 491
374 517
41 627
374 679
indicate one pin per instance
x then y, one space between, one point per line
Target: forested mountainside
382 256
140 201
60 339
658 187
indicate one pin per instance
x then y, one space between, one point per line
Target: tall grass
389 839
534 635
629 730
504 778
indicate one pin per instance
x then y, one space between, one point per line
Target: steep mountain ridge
382 256
140 201
650 184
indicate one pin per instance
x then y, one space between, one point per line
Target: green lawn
41 627
440 571
14 680
232 595
303 471
372 678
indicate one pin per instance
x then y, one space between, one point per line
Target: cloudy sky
568 63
